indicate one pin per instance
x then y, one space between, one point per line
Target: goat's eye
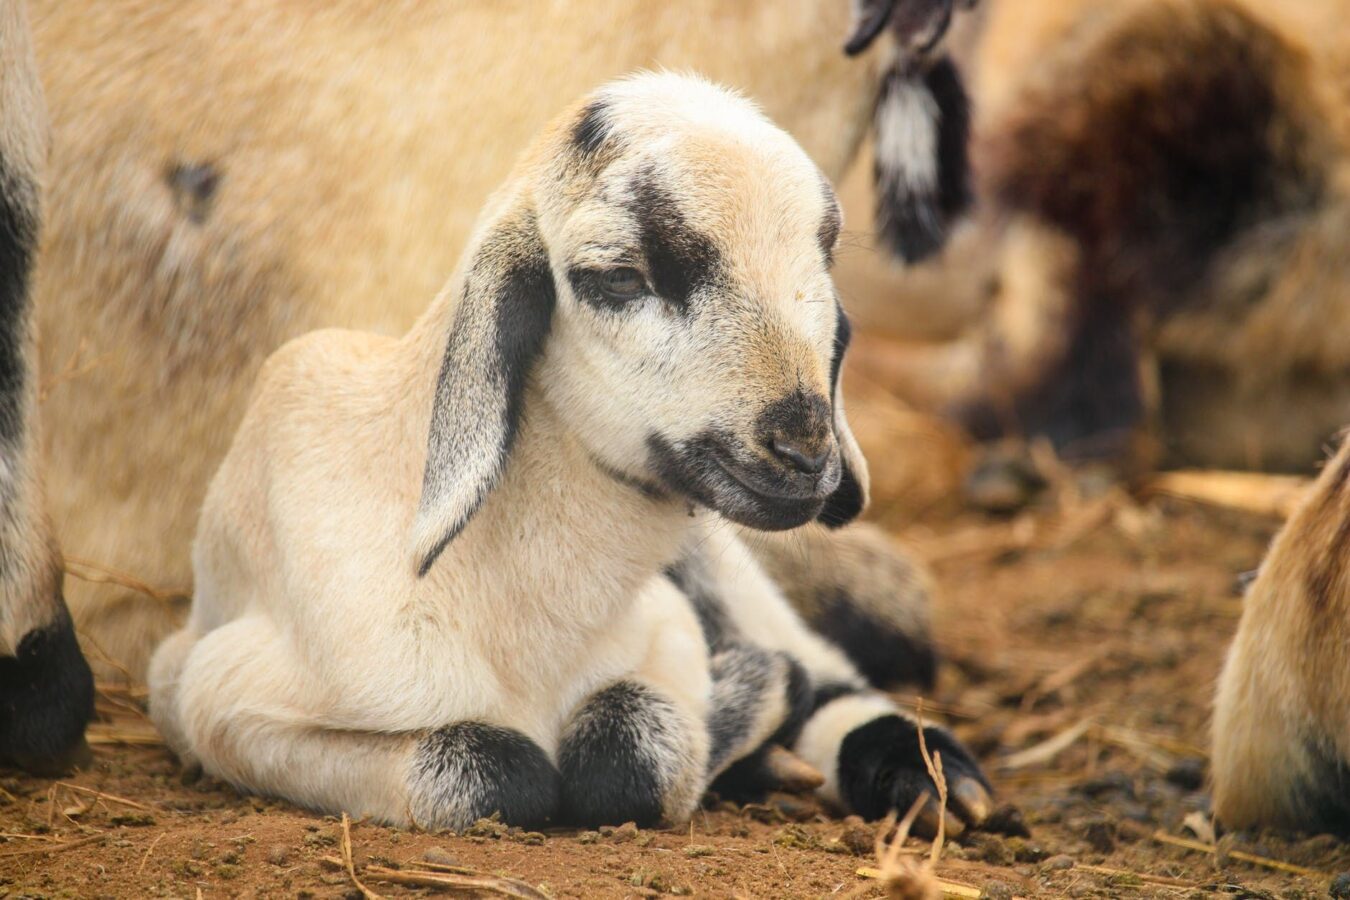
623 283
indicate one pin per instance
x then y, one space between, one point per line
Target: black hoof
881 768
46 700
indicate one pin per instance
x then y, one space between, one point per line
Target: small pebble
1188 774
996 890
1340 886
857 837
626 832
1058 863
439 857
1101 835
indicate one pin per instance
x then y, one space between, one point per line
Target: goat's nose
802 457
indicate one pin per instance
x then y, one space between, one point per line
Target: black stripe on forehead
830 223
679 258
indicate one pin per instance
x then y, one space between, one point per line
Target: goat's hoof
46 699
881 768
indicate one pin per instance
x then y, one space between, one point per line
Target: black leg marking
619 755
881 768
743 680
46 699
692 577
18 242
886 656
469 770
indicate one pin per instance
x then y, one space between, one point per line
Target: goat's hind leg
240 702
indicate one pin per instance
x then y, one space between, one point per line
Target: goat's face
667 255
697 337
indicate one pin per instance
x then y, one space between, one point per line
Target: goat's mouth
758 494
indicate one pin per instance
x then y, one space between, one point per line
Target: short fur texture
46 689
264 169
641 341
1281 739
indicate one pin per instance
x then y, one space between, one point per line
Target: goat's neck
561 538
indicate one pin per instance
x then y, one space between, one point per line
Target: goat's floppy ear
850 498
922 167
504 312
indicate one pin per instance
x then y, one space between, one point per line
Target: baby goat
1281 752
437 576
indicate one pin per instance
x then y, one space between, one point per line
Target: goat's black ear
503 316
850 498
922 166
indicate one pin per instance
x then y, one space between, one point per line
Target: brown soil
1102 618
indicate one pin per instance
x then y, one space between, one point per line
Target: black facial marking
46 699
846 503
699 469
805 419
493 769
692 577
18 242
886 656
616 755
524 301
679 258
881 767
592 129
194 187
830 223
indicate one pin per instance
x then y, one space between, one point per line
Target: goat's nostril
801 457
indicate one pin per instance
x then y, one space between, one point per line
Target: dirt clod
997 890
440 857
858 837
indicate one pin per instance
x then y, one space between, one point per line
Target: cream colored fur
352 145
316 654
1281 742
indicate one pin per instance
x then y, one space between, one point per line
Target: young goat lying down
1281 752
487 567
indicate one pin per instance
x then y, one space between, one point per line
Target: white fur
315 654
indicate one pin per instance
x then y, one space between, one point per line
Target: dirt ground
1081 641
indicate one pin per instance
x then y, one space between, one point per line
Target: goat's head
663 253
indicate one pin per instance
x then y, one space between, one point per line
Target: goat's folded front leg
637 749
240 702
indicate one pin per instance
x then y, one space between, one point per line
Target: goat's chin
754 495
764 513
